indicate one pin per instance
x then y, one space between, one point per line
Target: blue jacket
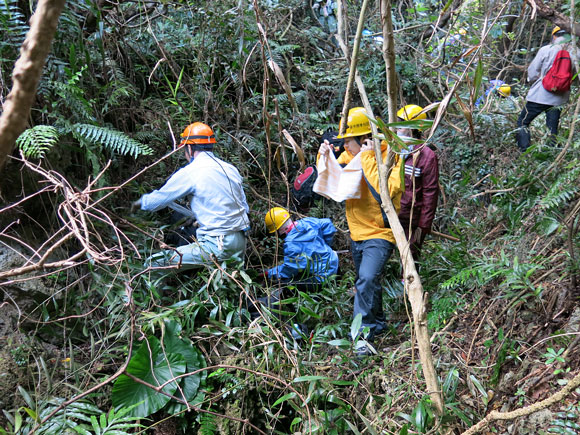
307 252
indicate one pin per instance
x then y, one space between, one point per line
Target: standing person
308 256
372 240
419 202
217 201
540 99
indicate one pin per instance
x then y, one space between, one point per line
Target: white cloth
336 183
218 200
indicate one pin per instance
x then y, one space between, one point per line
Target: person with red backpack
551 73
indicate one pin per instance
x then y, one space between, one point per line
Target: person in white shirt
539 99
218 202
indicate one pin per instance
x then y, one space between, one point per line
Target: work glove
136 205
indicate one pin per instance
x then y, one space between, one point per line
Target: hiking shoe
363 349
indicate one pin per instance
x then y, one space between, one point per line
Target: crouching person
308 257
218 203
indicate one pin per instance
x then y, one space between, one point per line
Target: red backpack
559 77
302 193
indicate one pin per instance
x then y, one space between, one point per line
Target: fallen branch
445 236
522 412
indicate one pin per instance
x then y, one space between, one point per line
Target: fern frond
462 278
114 140
149 136
72 97
118 87
207 424
35 141
12 24
562 191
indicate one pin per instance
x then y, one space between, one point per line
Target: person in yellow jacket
372 238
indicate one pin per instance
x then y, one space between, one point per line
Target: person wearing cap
308 256
372 240
540 100
218 203
419 201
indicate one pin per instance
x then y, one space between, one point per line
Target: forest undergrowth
93 342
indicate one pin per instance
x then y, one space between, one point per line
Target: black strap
377 197
200 137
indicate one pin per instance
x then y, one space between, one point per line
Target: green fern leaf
72 97
12 25
35 141
207 424
112 139
562 191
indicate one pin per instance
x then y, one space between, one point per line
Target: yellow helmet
505 90
556 30
462 31
411 112
358 123
275 218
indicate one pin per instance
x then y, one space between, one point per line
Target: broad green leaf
152 367
309 312
284 398
309 378
477 79
193 359
421 124
31 413
339 342
355 326
352 427
339 382
419 416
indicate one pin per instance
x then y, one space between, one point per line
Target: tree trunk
26 75
413 284
557 18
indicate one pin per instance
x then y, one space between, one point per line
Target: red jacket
425 167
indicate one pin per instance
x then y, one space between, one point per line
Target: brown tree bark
26 74
413 285
554 16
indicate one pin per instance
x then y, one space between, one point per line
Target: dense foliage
122 81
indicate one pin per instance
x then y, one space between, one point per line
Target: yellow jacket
364 216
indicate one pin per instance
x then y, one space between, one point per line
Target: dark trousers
370 256
529 113
417 238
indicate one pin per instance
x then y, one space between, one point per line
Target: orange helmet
197 133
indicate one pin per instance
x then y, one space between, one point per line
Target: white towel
336 183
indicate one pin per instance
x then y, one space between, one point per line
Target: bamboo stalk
413 284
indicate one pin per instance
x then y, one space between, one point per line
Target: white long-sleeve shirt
218 199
